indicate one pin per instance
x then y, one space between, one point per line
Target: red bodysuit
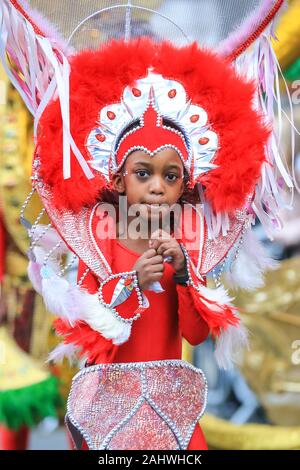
157 335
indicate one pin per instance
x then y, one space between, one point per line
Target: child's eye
171 177
142 173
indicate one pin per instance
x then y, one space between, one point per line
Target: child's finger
155 243
157 268
149 253
162 248
155 259
156 276
169 252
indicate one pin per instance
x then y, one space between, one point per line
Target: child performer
161 128
152 185
141 293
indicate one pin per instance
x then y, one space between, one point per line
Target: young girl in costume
131 336
157 320
161 126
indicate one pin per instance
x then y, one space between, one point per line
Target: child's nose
156 185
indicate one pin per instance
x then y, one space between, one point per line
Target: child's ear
118 183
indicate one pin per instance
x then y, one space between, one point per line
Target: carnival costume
92 109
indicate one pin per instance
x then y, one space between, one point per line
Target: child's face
151 181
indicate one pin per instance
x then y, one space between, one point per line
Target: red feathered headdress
203 109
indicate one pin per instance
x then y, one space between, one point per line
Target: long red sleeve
193 327
126 309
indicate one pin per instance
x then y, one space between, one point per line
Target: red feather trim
217 316
94 346
213 84
98 78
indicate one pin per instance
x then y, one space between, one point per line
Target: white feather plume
248 269
34 274
64 350
233 339
72 303
219 294
34 267
68 301
230 345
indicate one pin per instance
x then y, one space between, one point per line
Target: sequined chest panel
141 405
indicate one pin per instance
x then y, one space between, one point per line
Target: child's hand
166 245
149 268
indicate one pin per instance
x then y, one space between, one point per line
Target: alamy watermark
139 220
295 357
295 95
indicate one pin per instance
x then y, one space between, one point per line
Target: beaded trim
132 131
190 281
217 274
168 128
151 154
142 366
135 284
24 221
123 422
184 138
256 33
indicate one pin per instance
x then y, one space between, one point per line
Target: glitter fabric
216 249
139 405
74 228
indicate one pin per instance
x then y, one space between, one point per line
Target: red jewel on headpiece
100 137
203 140
136 92
172 93
111 115
194 118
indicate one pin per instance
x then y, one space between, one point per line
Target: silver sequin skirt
137 405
